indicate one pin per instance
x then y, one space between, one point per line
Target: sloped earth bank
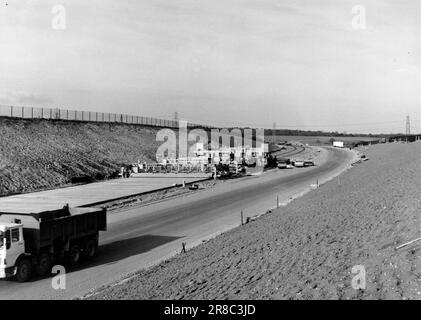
45 154
306 250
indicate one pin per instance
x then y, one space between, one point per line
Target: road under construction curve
139 237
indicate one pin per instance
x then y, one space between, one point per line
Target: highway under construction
141 236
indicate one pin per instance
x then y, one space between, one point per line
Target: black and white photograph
239 153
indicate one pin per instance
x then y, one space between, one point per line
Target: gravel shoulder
306 250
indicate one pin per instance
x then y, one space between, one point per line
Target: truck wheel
24 270
44 264
90 249
73 255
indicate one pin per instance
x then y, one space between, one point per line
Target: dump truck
31 243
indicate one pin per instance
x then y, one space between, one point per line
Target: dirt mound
42 154
306 250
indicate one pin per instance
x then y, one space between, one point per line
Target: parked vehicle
282 165
298 163
33 242
308 163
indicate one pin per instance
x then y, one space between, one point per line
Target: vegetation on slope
42 154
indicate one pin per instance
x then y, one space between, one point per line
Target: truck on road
32 242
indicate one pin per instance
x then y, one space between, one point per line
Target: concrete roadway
86 194
142 236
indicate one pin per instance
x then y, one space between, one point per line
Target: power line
237 123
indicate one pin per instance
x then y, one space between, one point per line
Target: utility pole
273 132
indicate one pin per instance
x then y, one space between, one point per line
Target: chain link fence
74 115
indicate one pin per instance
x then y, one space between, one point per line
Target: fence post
242 217
22 112
11 111
42 113
32 112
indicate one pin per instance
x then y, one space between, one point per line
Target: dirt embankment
42 154
306 250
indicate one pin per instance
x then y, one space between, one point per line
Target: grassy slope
40 154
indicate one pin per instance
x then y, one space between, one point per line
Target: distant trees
287 132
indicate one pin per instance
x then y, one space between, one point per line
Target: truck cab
12 246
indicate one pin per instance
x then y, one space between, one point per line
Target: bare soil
306 250
45 154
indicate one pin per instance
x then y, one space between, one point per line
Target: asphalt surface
143 236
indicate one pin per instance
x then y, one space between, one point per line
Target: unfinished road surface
141 237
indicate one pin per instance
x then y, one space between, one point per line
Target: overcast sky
248 62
